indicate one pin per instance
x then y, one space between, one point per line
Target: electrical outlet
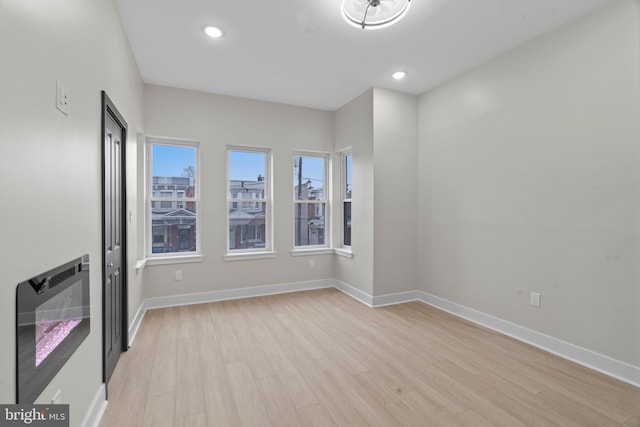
535 299
178 275
312 263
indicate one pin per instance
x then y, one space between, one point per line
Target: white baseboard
97 408
135 323
353 292
392 299
598 362
229 294
604 364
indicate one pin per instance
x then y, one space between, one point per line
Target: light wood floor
320 358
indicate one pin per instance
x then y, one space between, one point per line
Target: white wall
216 121
395 158
354 128
379 123
50 164
381 128
529 182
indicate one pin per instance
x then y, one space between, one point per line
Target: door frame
108 108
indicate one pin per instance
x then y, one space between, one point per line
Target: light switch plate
62 97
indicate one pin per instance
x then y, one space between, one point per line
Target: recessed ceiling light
399 75
213 32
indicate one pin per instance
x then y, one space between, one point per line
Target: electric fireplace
52 320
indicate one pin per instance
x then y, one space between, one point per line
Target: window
173 198
310 199
346 199
249 200
166 195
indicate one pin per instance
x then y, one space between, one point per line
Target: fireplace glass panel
56 318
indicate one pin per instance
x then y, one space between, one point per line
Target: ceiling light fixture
399 75
372 14
213 32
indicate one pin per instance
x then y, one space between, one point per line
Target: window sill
311 251
249 255
343 252
140 264
177 259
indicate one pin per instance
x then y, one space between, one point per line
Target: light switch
62 97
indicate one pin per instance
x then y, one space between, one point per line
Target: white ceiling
301 52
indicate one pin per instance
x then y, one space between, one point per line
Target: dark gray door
114 235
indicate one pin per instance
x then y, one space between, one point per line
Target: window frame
344 197
249 253
326 201
179 256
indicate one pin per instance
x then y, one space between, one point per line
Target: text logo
34 415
